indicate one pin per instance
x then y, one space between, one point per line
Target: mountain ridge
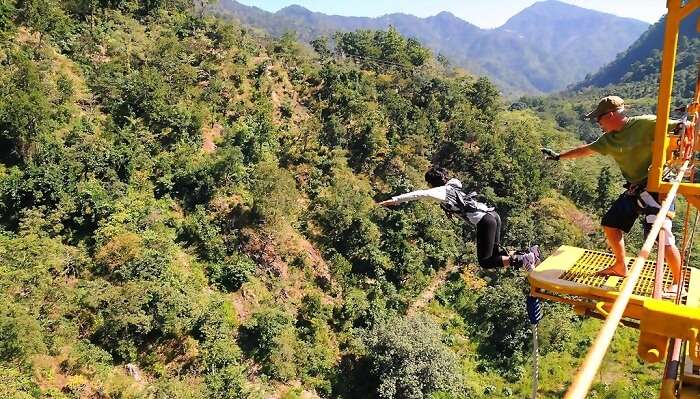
510 55
645 50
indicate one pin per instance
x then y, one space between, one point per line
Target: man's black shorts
625 210
622 214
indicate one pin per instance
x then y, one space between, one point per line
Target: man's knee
613 231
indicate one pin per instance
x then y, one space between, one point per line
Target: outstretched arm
578 152
438 194
389 202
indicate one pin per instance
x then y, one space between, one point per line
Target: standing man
628 140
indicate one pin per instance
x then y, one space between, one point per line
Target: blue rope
534 313
534 309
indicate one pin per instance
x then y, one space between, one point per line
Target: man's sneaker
671 292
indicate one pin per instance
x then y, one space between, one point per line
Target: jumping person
453 200
628 140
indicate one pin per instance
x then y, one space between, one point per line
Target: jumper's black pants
488 238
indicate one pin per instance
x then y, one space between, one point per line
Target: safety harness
457 202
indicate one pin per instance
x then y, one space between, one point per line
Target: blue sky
485 14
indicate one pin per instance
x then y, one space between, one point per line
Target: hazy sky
485 14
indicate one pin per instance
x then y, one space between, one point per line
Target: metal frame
662 142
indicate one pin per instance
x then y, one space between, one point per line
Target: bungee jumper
628 140
455 201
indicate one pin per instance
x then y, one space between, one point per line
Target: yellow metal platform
568 276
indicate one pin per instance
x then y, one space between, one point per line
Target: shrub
173 388
85 357
500 323
232 273
15 385
558 329
269 337
20 335
276 195
200 230
260 333
343 213
409 361
227 382
184 174
119 251
130 315
219 320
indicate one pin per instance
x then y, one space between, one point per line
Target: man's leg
673 258
616 242
671 252
616 221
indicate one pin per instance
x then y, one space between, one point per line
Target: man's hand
387 203
550 154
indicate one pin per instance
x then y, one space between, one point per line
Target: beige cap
605 105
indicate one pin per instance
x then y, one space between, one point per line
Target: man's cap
605 105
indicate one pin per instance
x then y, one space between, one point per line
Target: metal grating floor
583 272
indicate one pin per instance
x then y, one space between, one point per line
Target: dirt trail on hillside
211 134
429 292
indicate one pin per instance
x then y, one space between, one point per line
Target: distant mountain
555 42
544 48
443 30
641 62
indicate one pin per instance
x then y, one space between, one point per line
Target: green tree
408 359
320 46
269 337
44 17
25 109
497 306
7 13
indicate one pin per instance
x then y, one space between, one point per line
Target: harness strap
649 205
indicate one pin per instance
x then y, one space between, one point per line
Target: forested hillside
640 64
542 49
188 210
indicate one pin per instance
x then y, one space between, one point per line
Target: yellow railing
676 13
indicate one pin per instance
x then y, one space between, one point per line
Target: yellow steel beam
668 65
685 189
691 6
676 13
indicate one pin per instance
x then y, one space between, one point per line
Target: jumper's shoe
528 260
671 292
535 249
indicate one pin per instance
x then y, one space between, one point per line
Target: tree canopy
188 209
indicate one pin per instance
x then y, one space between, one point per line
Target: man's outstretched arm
578 152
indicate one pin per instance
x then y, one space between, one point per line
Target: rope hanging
534 314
